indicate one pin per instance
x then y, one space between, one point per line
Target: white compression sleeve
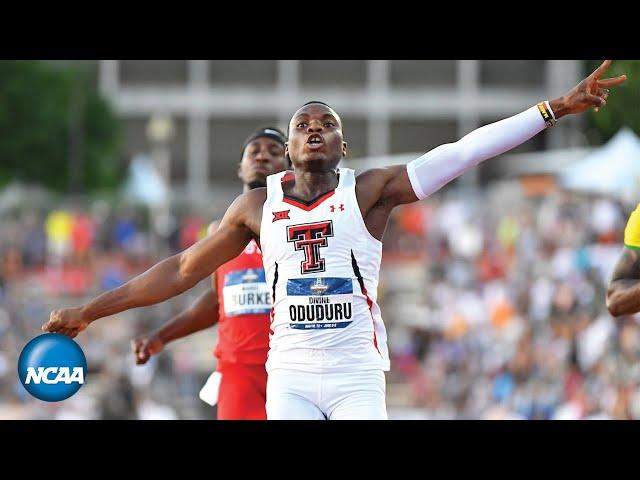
438 167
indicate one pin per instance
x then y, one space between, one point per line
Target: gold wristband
547 116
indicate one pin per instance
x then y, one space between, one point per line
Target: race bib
246 292
320 302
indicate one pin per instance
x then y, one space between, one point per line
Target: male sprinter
239 302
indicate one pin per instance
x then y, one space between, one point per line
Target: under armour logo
334 207
283 215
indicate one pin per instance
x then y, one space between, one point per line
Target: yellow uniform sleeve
632 230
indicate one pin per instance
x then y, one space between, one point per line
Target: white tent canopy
612 169
144 183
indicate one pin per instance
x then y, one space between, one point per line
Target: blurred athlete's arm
623 294
200 316
174 275
400 184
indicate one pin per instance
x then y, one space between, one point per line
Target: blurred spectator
59 225
124 233
82 233
34 241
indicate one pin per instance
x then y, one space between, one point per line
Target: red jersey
244 306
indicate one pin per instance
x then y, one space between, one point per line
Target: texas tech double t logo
310 237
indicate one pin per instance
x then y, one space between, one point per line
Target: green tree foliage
623 105
55 129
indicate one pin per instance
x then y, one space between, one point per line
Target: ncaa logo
52 367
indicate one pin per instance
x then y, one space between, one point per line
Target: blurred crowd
507 317
62 257
493 300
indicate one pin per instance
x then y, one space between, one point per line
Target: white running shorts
298 395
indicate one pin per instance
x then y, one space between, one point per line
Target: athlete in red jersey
239 301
